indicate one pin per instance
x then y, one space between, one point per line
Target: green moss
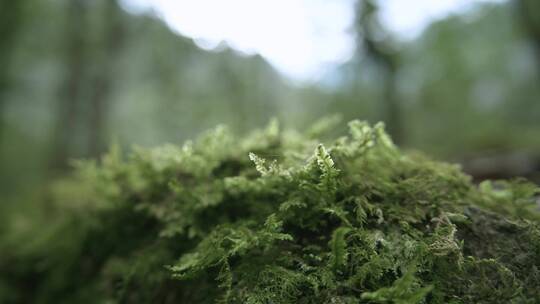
276 217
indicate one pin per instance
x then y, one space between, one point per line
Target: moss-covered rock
276 217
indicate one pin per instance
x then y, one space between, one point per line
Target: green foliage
402 291
276 217
339 248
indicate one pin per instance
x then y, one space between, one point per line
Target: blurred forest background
76 75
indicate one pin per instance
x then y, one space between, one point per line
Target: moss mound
275 218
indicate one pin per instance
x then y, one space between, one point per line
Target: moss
276 217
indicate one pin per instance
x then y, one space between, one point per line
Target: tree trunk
11 17
100 99
70 91
529 16
392 110
380 52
